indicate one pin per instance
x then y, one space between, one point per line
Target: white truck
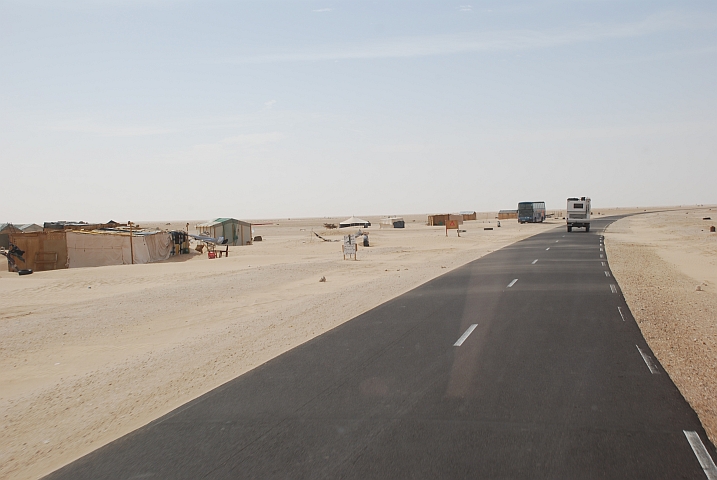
578 214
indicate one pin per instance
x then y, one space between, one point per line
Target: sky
171 110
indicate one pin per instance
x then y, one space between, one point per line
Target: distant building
507 214
469 216
392 222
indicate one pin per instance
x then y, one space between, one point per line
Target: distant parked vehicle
531 212
578 214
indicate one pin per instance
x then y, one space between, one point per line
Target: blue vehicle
531 212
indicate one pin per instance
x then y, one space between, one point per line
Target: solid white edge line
621 315
613 288
460 341
535 261
703 456
648 362
512 283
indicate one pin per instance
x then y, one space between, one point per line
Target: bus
531 212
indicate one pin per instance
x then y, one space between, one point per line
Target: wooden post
131 247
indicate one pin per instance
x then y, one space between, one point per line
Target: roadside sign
349 247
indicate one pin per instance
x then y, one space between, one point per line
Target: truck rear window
578 205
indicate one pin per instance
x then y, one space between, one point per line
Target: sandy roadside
88 355
666 265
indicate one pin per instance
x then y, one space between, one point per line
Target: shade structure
354 222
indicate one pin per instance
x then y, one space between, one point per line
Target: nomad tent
234 231
392 222
95 249
57 249
354 222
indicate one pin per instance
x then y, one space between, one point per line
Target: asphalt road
552 380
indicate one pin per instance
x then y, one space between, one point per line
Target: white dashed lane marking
535 261
607 274
613 288
460 341
703 456
512 283
621 315
648 361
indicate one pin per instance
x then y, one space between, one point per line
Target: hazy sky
164 109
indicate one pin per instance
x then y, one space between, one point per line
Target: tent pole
131 247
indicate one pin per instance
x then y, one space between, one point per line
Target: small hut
392 222
507 214
469 215
438 220
234 231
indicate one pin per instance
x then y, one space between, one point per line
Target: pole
131 247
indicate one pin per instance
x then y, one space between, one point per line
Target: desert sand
90 354
666 265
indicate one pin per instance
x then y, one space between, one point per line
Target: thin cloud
91 128
321 10
483 42
465 8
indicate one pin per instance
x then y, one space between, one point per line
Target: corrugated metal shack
235 231
469 215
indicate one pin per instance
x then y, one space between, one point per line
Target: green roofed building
235 231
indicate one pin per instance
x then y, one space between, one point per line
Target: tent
354 222
235 231
56 249
96 249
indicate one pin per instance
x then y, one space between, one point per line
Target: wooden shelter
507 214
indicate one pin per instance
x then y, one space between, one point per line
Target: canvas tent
96 249
235 231
57 249
354 222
